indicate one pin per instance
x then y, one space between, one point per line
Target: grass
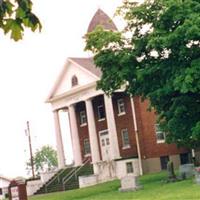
153 189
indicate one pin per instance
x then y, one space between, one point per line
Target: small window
160 135
86 146
101 112
107 141
103 142
74 81
184 157
121 106
163 162
125 138
129 167
83 118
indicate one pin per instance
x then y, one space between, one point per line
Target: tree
44 159
160 62
15 15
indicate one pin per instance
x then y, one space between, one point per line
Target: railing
73 173
53 179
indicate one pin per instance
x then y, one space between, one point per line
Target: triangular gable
82 68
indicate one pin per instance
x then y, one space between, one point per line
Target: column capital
71 105
89 99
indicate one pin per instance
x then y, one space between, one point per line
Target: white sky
28 70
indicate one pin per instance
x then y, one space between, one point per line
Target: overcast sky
28 70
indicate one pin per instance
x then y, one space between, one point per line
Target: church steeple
101 18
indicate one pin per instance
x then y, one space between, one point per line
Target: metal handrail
53 179
72 173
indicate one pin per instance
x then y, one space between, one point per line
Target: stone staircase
65 179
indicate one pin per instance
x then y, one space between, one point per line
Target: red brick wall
146 125
123 122
82 130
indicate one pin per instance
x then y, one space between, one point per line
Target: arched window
74 81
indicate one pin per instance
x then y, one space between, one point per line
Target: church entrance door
105 145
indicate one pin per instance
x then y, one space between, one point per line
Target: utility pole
27 131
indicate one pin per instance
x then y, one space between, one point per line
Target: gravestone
170 170
187 170
197 175
129 183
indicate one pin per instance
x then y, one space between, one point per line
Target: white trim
160 141
61 75
121 114
84 124
103 131
100 120
84 69
72 91
57 81
126 147
82 95
87 155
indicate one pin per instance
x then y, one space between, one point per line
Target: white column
59 142
112 130
75 137
136 135
92 132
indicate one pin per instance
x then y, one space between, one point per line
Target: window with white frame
86 146
83 118
160 135
129 167
121 106
101 112
125 138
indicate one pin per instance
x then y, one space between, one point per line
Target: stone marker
170 170
187 170
129 183
197 175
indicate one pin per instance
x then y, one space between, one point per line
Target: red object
17 190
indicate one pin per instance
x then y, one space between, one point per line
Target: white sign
14 193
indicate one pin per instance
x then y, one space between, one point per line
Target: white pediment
64 81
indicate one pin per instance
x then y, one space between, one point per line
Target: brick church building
115 133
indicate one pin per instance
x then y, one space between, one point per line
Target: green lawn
153 189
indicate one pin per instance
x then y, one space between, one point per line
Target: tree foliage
44 159
15 15
159 60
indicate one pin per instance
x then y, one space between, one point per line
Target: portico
69 101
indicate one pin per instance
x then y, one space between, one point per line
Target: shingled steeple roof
101 18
